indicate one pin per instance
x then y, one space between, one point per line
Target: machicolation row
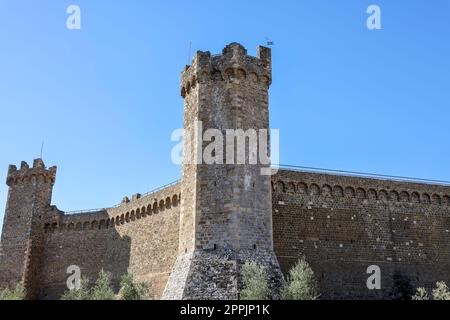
350 192
92 223
229 74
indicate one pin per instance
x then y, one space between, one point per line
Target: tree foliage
421 294
301 283
18 293
440 292
130 290
81 293
255 283
102 289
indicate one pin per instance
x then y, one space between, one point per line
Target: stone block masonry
189 240
344 224
139 236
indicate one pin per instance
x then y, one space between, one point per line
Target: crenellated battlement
358 190
153 203
232 66
25 173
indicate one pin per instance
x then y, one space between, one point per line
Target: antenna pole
42 148
189 53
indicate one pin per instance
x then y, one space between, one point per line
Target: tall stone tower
226 204
28 206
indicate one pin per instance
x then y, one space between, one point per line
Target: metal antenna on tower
42 149
189 53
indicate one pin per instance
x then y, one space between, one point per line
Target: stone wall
341 224
344 224
140 236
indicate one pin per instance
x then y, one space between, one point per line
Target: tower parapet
233 65
25 173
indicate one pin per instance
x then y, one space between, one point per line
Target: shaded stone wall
344 224
139 236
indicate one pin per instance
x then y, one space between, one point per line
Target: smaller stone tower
27 209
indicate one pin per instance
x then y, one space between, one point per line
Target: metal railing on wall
162 187
360 174
119 204
85 211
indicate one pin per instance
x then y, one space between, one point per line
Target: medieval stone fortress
190 239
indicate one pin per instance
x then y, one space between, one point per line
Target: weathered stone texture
344 224
217 274
139 236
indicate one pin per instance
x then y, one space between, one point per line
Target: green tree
82 293
255 283
301 283
421 294
102 289
441 291
18 293
130 290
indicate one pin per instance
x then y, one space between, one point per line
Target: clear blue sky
106 98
